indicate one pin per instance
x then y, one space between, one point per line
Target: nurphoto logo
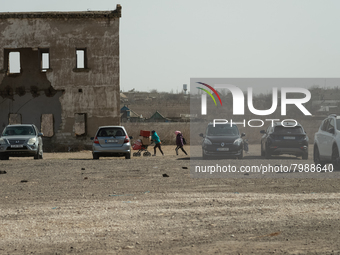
239 102
238 99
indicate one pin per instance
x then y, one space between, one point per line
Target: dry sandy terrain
71 204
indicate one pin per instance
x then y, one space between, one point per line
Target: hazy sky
164 43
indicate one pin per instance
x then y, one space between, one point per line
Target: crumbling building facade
60 71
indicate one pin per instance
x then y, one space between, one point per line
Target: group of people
179 142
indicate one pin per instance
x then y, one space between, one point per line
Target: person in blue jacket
157 142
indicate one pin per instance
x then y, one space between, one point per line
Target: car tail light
96 140
126 140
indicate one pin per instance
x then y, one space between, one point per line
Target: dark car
289 138
21 140
223 140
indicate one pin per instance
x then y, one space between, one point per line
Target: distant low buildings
158 117
129 115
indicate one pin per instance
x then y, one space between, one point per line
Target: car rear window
109 132
288 130
222 130
9 131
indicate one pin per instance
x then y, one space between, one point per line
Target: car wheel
335 158
95 156
241 155
262 151
41 154
316 157
4 157
267 153
305 156
128 155
37 155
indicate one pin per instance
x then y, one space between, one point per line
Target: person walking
179 142
157 141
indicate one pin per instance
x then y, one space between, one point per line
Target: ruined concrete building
60 71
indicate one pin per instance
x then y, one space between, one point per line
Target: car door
265 136
324 138
329 137
320 136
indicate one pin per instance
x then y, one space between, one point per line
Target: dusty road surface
68 203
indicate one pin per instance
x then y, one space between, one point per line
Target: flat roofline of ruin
62 15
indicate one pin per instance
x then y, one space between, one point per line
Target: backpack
184 142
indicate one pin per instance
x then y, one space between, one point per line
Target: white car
327 142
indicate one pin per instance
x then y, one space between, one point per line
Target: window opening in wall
44 59
81 58
45 62
14 62
80 90
47 127
14 118
80 124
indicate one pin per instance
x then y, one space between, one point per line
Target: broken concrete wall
62 89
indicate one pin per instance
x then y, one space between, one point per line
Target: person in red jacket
179 142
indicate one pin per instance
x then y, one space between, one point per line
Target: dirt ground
71 204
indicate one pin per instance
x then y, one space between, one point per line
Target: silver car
111 141
21 140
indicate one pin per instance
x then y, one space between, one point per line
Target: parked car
111 141
281 139
327 142
21 140
223 140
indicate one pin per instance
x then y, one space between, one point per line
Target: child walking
157 141
179 142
